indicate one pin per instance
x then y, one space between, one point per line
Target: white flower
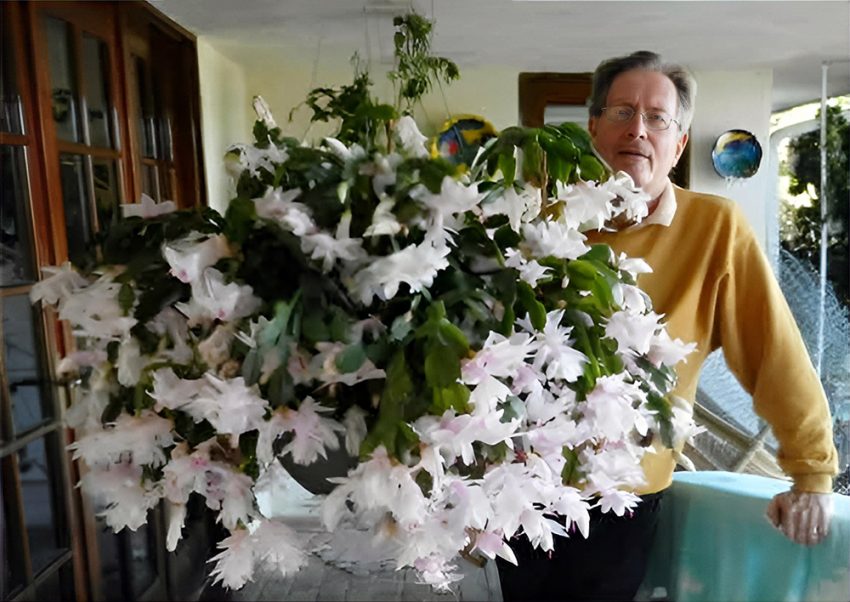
215 349
614 466
499 357
176 515
574 509
95 311
264 113
277 546
355 429
328 249
254 159
130 362
125 495
529 271
631 200
550 238
586 205
493 544
175 393
610 408
170 323
235 563
454 197
219 301
519 207
60 283
312 432
191 255
556 352
229 405
667 351
384 221
147 208
382 170
411 139
630 298
635 266
617 501
633 331
141 438
230 491
267 542
80 359
414 265
279 205
683 426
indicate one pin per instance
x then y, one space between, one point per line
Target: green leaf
400 328
240 217
533 161
536 310
454 396
313 327
126 297
442 366
351 358
398 392
590 168
507 165
569 473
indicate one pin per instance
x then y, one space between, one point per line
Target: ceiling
793 38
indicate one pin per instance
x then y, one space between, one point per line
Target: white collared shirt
664 210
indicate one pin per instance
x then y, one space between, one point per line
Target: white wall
733 100
225 117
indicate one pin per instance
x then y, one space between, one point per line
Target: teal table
715 545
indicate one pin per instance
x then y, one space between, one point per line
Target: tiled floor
335 570
321 581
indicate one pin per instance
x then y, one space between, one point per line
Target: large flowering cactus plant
490 372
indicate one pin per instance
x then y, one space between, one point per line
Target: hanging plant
485 368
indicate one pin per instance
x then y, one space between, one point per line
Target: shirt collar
664 210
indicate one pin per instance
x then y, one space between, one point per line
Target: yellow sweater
714 285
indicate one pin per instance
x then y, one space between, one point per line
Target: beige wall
226 116
726 100
734 100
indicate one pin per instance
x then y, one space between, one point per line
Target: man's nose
636 128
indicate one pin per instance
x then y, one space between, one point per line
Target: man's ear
591 126
680 147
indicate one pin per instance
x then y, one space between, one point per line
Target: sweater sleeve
765 350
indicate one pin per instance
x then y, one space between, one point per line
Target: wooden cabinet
99 103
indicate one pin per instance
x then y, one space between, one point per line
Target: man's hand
802 517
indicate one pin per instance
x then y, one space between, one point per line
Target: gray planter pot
314 477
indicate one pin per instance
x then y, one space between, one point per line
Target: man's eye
623 113
657 117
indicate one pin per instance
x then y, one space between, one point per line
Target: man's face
646 155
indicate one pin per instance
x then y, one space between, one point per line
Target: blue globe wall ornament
736 154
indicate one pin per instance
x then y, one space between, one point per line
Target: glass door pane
62 80
96 83
11 110
16 251
75 198
107 196
14 570
38 462
25 373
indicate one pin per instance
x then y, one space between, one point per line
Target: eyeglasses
654 120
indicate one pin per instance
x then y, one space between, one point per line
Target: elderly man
713 283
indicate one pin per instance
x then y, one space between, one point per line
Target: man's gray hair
607 72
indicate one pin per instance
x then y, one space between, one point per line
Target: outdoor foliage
801 226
